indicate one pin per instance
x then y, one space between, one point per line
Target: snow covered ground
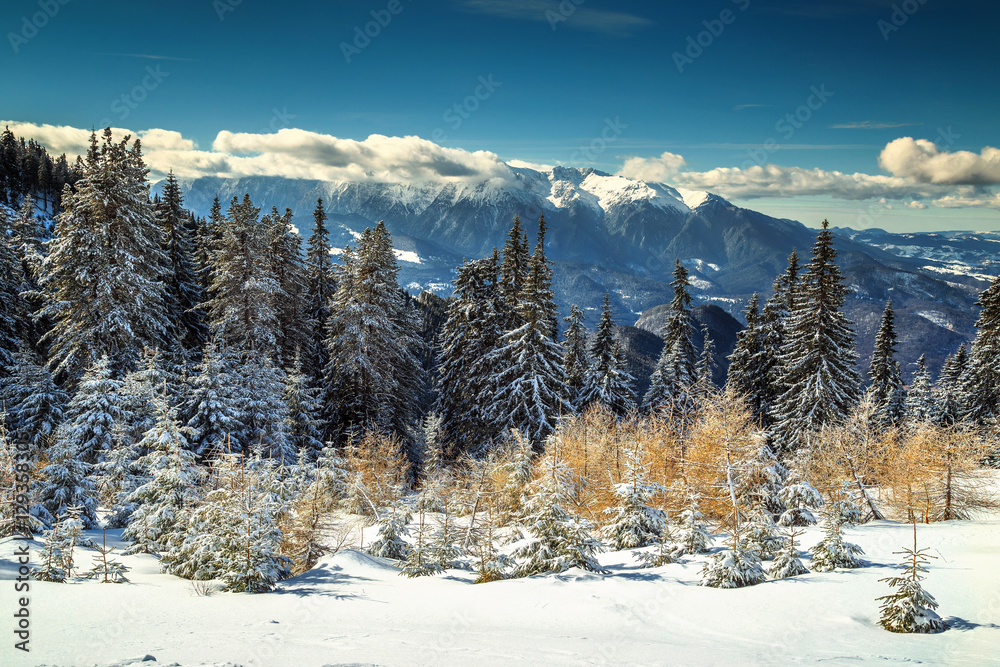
355 609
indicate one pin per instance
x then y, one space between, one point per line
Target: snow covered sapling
910 608
693 536
65 483
799 498
60 544
735 567
106 570
391 542
420 561
634 523
833 552
554 541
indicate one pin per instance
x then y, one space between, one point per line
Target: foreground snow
353 608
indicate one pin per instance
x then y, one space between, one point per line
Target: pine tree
693 536
817 357
528 363
33 402
173 478
373 374
117 476
607 381
183 286
887 385
13 309
800 498
469 339
632 521
420 558
101 277
674 376
747 376
65 484
214 405
704 384
774 325
982 382
735 567
242 309
832 551
107 570
920 404
391 542
576 361
303 404
320 288
910 608
554 540
285 250
952 401
263 411
514 274
92 414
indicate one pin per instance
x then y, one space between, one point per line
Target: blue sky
695 94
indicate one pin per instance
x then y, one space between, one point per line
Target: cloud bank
918 172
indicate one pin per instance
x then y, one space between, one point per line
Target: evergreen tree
693 536
183 286
530 380
13 309
919 403
910 608
65 484
285 248
107 570
982 382
33 402
832 551
173 477
213 405
674 376
745 376
303 404
632 521
391 542
607 381
773 324
320 288
244 296
704 384
101 277
263 412
373 374
514 274
92 414
952 401
468 342
887 385
576 361
817 356
554 540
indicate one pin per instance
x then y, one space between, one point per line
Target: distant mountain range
622 235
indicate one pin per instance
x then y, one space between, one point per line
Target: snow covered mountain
623 235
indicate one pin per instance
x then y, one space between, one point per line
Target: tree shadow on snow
956 623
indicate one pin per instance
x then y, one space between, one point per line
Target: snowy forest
242 402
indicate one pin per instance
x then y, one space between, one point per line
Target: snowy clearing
353 608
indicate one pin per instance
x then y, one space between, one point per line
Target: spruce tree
320 289
576 361
817 356
13 309
952 401
747 376
102 274
65 484
213 405
373 374
674 376
34 403
263 411
285 250
982 383
468 341
632 521
530 375
704 383
887 385
303 404
910 608
184 293
92 414
607 381
242 309
920 405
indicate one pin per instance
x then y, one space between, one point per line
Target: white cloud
555 13
923 161
661 169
